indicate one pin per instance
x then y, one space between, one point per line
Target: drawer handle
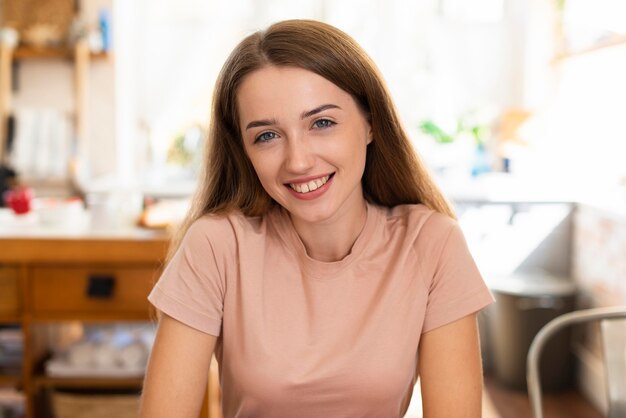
100 286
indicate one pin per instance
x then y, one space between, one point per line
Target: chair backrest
613 326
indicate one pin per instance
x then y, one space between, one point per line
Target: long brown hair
394 174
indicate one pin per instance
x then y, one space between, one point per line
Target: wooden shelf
93 317
27 53
79 56
88 382
8 319
10 380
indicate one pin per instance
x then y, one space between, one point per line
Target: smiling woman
319 262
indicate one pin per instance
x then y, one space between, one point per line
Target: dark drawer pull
100 286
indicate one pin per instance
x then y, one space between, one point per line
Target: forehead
273 90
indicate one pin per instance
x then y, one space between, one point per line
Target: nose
299 156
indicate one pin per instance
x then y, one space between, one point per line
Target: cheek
263 167
352 151
358 156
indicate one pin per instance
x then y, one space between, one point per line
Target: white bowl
56 212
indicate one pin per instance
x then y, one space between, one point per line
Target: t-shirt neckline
324 269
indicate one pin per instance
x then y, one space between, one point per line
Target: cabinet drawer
91 289
9 291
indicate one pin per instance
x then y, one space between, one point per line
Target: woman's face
307 141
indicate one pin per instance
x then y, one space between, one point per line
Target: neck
332 240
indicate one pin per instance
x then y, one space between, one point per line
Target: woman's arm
451 371
176 378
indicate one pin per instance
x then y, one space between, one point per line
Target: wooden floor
506 403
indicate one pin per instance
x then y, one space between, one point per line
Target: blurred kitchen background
517 106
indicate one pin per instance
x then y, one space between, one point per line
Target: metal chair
612 326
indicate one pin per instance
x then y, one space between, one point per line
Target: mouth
311 185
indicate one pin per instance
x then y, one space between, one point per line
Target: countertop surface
500 188
30 226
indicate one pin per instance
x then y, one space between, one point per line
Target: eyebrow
318 109
263 122
304 115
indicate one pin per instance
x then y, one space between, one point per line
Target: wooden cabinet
44 282
10 300
64 291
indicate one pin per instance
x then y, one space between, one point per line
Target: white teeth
310 186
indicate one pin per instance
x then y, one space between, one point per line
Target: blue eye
323 123
265 137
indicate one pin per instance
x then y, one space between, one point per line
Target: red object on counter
19 199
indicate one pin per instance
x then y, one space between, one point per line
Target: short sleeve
455 286
192 286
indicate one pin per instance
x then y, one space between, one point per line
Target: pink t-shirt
300 337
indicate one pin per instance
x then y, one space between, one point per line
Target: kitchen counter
24 239
54 275
79 227
613 207
501 188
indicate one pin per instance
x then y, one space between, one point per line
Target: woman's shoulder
223 226
420 216
422 228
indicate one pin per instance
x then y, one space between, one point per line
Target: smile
309 186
